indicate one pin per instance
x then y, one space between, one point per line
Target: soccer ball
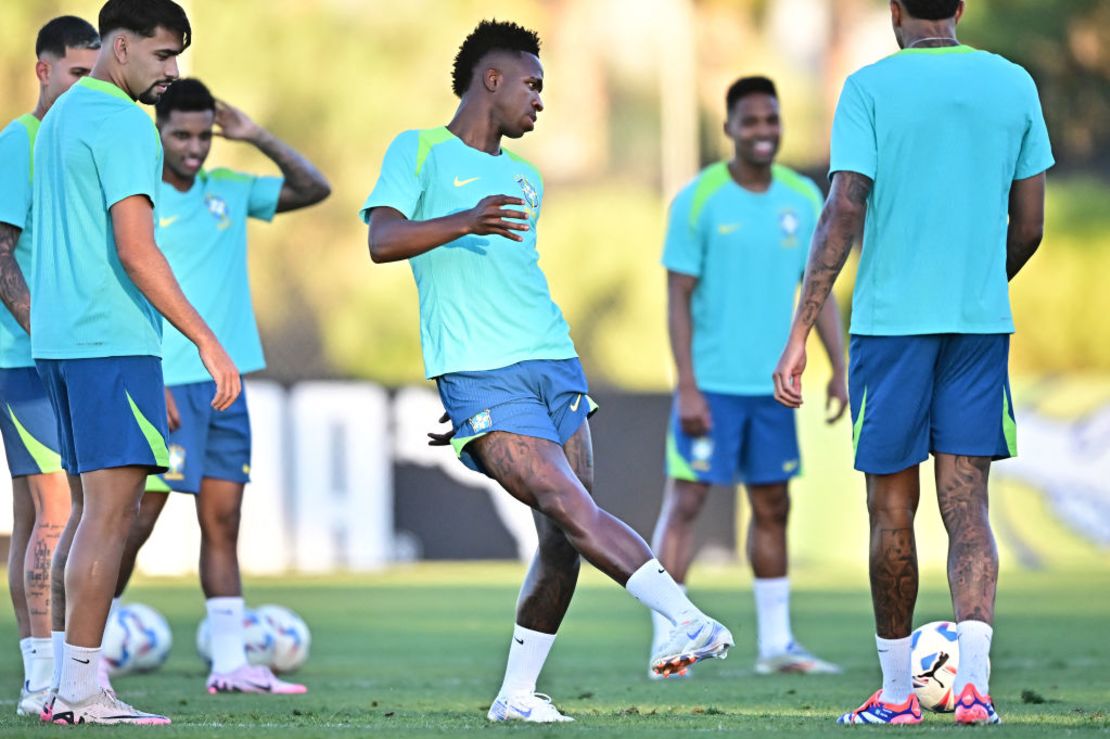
293 637
935 657
136 639
258 637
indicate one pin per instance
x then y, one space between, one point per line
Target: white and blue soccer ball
293 638
935 656
137 638
258 635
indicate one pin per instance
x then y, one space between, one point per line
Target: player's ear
42 71
895 13
492 79
119 47
960 10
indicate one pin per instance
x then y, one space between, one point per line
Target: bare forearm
831 334
304 184
1021 245
395 239
680 325
13 286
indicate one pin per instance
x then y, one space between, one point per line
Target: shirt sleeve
683 248
262 201
15 176
399 186
853 146
1036 149
126 150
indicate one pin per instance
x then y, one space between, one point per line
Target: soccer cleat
972 707
251 679
535 708
31 702
796 659
102 708
690 642
874 711
685 672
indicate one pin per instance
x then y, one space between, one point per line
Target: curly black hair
931 10
491 35
745 86
189 95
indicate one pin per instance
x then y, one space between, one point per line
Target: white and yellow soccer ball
258 635
292 637
137 638
936 659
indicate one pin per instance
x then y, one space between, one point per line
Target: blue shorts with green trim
208 443
544 398
938 393
752 440
111 412
27 423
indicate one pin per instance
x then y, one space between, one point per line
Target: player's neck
753 177
41 107
475 128
929 35
176 181
105 73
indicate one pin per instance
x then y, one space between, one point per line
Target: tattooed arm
304 184
1026 222
840 224
13 287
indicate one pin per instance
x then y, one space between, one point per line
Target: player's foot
874 711
31 702
102 708
972 707
796 659
535 708
102 678
691 642
251 679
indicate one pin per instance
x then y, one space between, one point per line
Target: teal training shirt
748 251
95 148
484 302
203 233
17 143
943 133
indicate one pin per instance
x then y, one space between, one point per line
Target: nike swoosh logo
726 228
518 641
167 222
694 635
461 183
575 404
267 688
662 570
82 661
525 714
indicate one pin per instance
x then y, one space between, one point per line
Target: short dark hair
931 10
491 35
66 32
144 17
188 95
745 86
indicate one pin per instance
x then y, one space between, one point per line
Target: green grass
419 651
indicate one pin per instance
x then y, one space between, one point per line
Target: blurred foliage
339 78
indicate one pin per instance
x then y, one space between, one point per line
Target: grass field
419 651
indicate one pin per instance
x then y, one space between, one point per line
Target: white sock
653 586
25 649
58 639
975 649
894 657
78 681
527 652
225 623
42 664
772 615
661 627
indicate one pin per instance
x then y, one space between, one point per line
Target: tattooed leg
51 498
23 523
892 503
537 473
61 554
972 556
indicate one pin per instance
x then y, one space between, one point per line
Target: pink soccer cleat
252 679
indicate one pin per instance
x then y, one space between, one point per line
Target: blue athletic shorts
28 424
544 398
939 393
111 412
752 440
208 443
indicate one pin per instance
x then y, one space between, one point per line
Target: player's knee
686 501
221 525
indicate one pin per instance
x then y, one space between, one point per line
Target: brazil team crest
217 206
789 223
176 469
531 195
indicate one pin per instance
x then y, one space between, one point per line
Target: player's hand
693 412
173 418
490 217
441 439
223 371
234 125
788 373
836 392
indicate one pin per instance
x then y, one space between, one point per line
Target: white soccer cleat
690 642
796 659
102 708
535 708
31 702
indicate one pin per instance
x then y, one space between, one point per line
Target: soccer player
202 229
98 285
464 210
939 153
66 50
736 246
